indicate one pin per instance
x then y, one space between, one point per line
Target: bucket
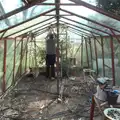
112 114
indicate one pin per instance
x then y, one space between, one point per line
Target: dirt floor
37 99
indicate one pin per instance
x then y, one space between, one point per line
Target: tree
110 5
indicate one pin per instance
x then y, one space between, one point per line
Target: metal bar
57 18
77 29
26 55
88 35
57 15
66 44
4 67
41 32
61 4
114 35
10 38
93 21
80 27
107 66
87 52
112 55
35 55
14 61
91 52
82 52
86 25
102 45
31 26
21 55
44 26
111 15
42 14
96 55
3 35
76 33
98 41
20 9
92 109
37 29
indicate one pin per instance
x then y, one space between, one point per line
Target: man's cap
101 80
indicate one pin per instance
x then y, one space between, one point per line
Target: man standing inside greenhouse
50 55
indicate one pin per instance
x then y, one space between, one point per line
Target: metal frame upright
87 56
73 27
4 66
14 61
57 18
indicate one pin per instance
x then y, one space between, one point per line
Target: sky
10 5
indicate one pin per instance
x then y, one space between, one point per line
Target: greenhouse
87 56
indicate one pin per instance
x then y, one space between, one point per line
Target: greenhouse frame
90 35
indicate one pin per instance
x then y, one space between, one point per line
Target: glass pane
26 26
96 32
8 6
117 60
9 62
35 28
94 16
17 63
23 16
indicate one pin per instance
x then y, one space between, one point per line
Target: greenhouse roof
36 16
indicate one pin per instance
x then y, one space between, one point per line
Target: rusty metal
93 21
86 25
20 9
91 52
21 55
30 26
14 62
57 19
75 32
42 14
26 55
4 67
80 27
87 5
82 52
92 109
112 58
37 29
102 45
87 52
96 56
38 34
80 31
114 35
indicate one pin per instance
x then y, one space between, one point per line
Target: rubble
37 100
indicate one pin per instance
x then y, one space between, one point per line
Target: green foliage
41 56
110 5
